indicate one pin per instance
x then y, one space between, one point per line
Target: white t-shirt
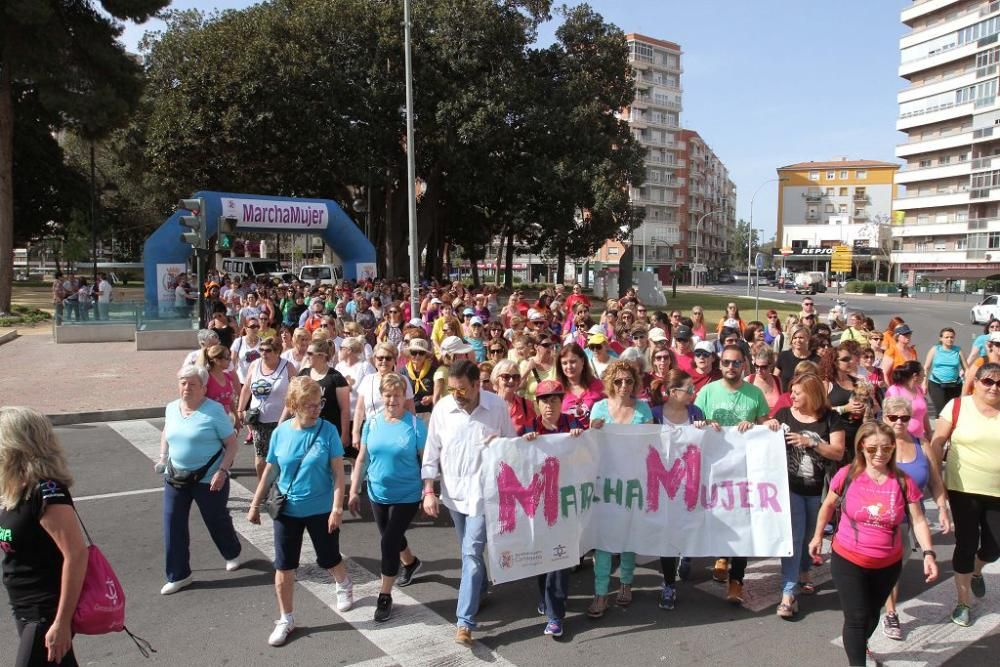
243 355
371 397
104 287
353 373
180 297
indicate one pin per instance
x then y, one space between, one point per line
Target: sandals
807 588
624 597
598 606
788 610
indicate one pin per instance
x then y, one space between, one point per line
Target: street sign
698 268
841 260
759 261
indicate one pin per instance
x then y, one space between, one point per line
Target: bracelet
428 492
930 552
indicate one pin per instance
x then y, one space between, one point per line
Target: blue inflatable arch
257 213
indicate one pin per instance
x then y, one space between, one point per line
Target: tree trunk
474 264
6 186
508 269
500 247
561 265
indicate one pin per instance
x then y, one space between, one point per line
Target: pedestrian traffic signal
227 229
193 224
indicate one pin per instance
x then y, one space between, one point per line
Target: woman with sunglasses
599 354
540 367
336 392
245 348
814 435
222 385
494 331
992 356
583 390
263 397
971 424
978 350
506 379
419 370
907 382
916 459
867 547
477 339
390 330
704 370
869 370
369 401
764 378
621 384
772 331
839 370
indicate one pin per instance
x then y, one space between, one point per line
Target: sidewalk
69 379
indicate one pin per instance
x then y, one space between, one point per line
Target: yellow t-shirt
974 457
534 377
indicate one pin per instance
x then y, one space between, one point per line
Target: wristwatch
930 552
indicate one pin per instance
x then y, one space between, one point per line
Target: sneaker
978 585
684 569
668 597
383 608
280 633
553 628
735 592
172 587
890 627
463 636
407 572
962 615
233 564
541 608
721 570
345 595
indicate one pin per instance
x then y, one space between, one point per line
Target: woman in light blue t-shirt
389 460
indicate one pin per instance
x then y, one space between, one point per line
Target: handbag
276 499
180 478
101 607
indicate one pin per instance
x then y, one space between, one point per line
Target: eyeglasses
538 323
898 418
315 406
702 354
846 360
882 449
624 382
383 357
221 356
508 377
735 363
989 382
687 390
497 350
762 367
253 326
595 347
265 350
662 357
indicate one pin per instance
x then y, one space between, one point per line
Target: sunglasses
497 350
883 449
762 367
417 353
989 382
638 336
253 326
595 347
383 357
845 360
702 354
662 357
221 356
898 418
315 354
735 363
506 377
622 382
265 350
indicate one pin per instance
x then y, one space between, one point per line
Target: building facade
947 219
831 203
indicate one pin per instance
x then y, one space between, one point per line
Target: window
679 252
829 208
612 250
962 216
813 175
830 192
923 164
843 192
861 174
844 173
993 241
945 159
897 244
830 175
941 218
940 245
842 209
962 243
923 219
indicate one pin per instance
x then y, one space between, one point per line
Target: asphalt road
225 618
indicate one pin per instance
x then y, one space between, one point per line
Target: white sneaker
345 595
280 633
234 564
173 586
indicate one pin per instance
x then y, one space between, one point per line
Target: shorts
288 532
261 435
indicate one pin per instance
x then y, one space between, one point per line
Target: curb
9 336
128 414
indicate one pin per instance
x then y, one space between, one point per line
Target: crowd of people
311 376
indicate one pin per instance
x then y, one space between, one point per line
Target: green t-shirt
729 408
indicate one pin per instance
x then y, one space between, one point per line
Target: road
225 618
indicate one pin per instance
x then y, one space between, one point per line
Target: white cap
455 345
656 334
436 300
416 322
705 346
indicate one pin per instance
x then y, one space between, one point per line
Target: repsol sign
814 251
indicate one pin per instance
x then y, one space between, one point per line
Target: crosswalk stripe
415 636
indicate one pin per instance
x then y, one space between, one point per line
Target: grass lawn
715 304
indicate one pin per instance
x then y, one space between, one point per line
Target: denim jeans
177 538
553 589
471 532
803 510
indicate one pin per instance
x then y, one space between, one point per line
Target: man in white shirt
103 296
461 425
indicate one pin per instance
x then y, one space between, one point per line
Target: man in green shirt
732 402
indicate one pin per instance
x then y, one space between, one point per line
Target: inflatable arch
164 254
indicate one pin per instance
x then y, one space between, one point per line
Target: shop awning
964 274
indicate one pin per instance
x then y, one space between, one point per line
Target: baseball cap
454 345
416 322
549 388
902 330
436 301
680 333
994 337
419 344
705 346
597 339
476 320
594 330
535 314
657 335
468 311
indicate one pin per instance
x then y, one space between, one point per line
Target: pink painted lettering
686 470
767 496
544 488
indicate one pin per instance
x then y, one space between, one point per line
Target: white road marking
930 638
118 494
415 635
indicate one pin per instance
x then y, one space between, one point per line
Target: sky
766 82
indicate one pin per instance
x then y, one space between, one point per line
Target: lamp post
697 245
411 169
750 231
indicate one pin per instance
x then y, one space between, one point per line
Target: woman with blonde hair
222 386
262 397
44 553
369 396
306 462
297 352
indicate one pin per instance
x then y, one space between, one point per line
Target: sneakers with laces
668 597
172 587
383 608
345 595
735 592
978 585
407 572
553 628
890 627
720 572
962 615
282 629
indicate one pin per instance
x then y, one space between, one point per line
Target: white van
251 267
810 282
326 274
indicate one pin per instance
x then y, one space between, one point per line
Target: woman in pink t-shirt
222 386
582 388
907 382
867 547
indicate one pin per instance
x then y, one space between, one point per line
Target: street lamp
411 169
697 245
750 231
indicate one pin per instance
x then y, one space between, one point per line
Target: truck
810 282
325 274
251 267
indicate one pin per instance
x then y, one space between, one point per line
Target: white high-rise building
946 220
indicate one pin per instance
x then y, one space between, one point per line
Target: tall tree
67 53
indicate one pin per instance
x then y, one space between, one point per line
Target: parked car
986 310
326 274
726 278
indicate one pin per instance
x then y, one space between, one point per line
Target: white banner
656 491
367 271
271 214
166 283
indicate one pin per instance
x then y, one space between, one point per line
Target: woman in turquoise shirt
945 367
621 384
306 460
389 460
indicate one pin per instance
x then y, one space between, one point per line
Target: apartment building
947 212
823 204
684 178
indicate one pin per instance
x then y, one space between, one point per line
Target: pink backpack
101 607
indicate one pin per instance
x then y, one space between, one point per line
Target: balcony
938 58
641 102
933 200
986 163
952 139
936 113
813 196
936 172
984 194
860 196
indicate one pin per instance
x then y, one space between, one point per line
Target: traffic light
227 229
196 231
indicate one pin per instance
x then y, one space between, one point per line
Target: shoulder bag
276 499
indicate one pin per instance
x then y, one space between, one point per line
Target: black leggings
977 529
862 592
31 651
669 567
941 394
392 522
